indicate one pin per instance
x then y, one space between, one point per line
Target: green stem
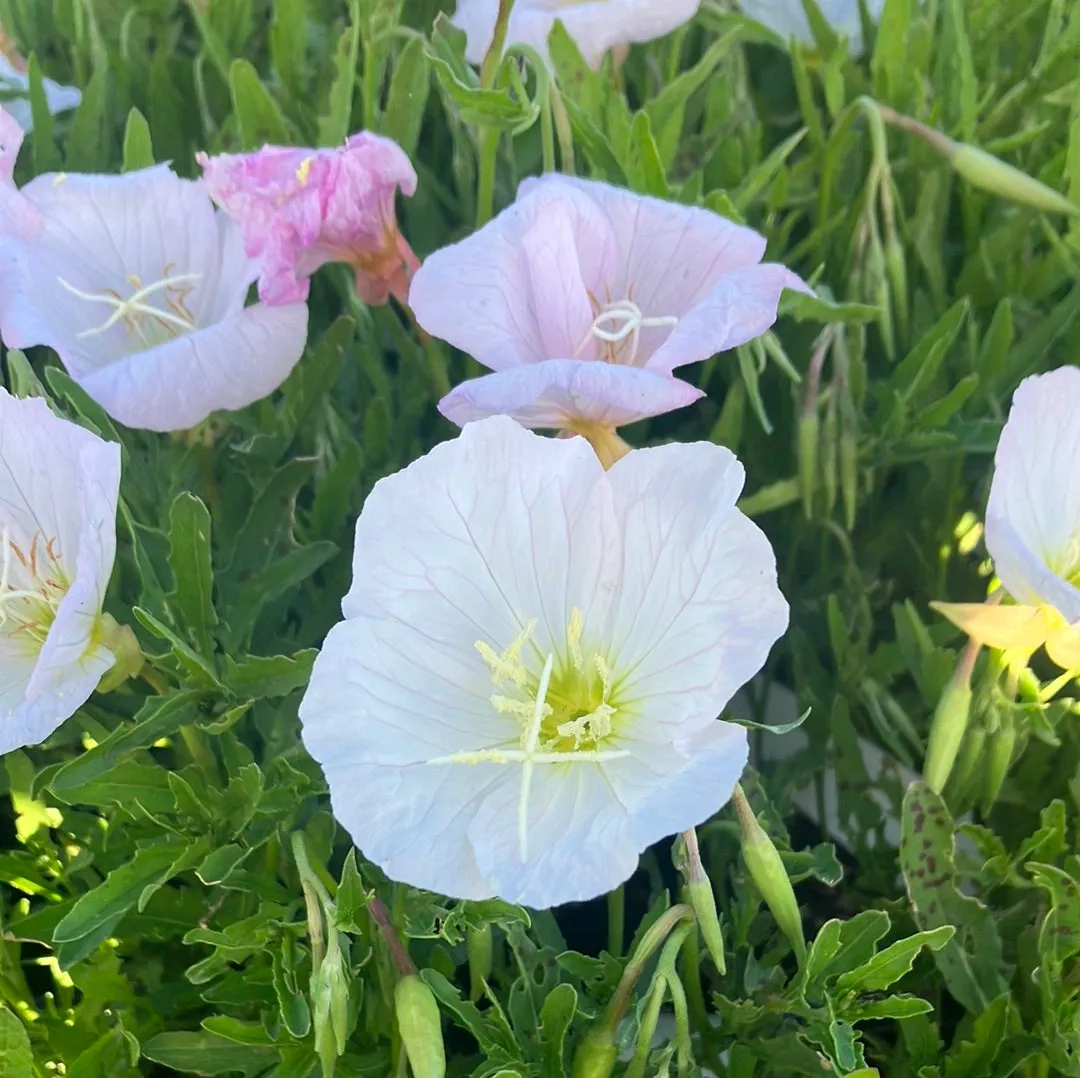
153 679
398 954
616 921
691 957
563 129
485 184
547 132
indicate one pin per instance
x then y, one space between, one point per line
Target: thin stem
485 185
691 956
153 679
398 954
547 132
616 921
563 130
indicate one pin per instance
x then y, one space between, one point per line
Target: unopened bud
950 722
808 451
479 947
702 899
121 641
420 1027
596 1055
990 173
330 1000
768 873
999 756
829 464
969 761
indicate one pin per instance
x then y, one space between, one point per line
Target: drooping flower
1033 526
139 286
15 87
58 490
788 18
300 209
583 298
596 25
524 692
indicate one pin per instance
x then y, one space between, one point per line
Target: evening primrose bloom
595 25
1033 526
583 298
58 491
139 286
524 692
300 209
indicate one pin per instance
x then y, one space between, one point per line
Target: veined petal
484 296
740 307
698 608
1063 647
1033 516
561 392
227 365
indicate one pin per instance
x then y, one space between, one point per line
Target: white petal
485 534
698 607
1033 516
226 366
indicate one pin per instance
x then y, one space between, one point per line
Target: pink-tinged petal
740 307
562 392
484 296
58 491
11 138
596 25
300 209
225 366
681 620
1033 515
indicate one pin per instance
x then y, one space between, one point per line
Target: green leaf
806 308
975 1055
490 1028
199 668
642 163
595 144
120 891
288 43
192 566
130 785
160 716
206 1053
258 677
88 132
407 98
311 381
16 1059
138 144
556 1014
336 123
257 113
888 966
917 370
971 962
46 155
352 896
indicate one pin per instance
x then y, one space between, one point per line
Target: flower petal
698 607
741 306
1033 515
1010 628
562 392
466 541
225 366
485 295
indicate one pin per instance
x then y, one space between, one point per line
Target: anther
124 309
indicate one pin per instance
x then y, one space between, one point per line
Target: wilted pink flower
139 286
596 25
300 209
583 298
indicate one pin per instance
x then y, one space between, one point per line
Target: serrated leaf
888 966
259 677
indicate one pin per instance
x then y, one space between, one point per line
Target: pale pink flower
524 693
300 209
595 25
139 286
58 489
583 298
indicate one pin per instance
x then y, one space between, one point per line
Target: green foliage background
154 916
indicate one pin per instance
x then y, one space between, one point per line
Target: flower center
148 324
618 327
32 584
565 716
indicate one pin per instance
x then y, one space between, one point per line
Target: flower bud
702 900
990 173
998 758
808 449
768 873
950 722
479 947
829 465
330 1005
420 1027
596 1055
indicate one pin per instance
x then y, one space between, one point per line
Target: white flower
1033 525
140 287
596 25
788 18
58 489
524 693
15 94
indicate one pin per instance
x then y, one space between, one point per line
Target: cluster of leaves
154 916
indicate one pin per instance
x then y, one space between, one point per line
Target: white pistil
629 320
127 309
8 594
